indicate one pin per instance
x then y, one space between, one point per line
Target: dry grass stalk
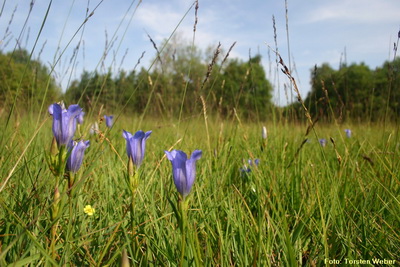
211 65
227 54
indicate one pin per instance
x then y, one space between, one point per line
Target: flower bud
264 132
131 167
124 259
53 148
56 204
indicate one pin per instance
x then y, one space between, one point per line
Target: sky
311 33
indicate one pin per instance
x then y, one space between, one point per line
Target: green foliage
179 78
26 81
245 87
93 89
355 92
387 88
178 75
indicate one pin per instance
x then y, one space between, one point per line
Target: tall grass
302 205
286 211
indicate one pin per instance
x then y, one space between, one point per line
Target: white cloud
356 11
160 19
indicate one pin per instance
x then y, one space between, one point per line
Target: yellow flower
88 210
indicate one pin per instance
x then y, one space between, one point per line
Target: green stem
132 214
54 215
71 220
183 207
61 160
53 240
133 183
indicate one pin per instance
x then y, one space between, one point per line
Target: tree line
25 82
183 79
355 92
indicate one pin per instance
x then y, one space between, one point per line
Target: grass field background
301 205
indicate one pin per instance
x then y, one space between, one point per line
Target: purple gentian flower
183 169
64 122
256 162
109 120
135 145
251 163
75 159
348 132
322 142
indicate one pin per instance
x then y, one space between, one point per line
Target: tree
92 91
26 81
387 90
178 75
244 86
343 93
321 79
355 85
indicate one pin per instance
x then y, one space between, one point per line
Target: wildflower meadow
203 176
225 199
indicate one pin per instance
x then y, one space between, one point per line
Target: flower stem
54 214
53 240
183 226
133 183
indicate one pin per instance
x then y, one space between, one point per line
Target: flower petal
191 169
68 123
135 146
75 159
56 111
137 152
196 155
64 122
127 136
143 144
178 160
109 120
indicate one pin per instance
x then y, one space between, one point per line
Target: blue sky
319 31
